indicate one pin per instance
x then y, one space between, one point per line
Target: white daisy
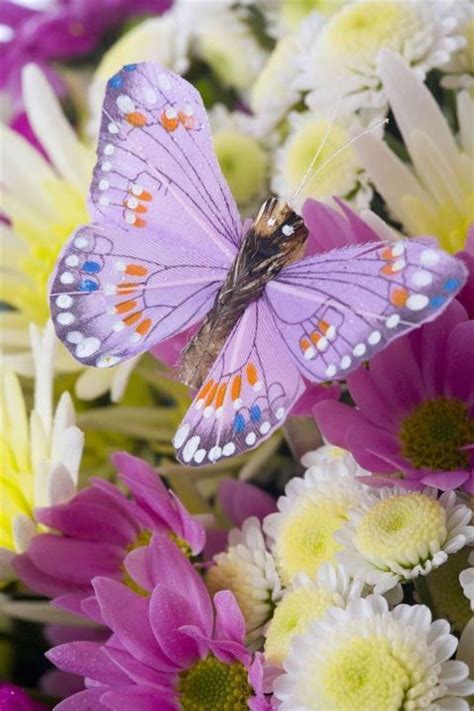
225 42
396 535
330 461
459 72
242 156
466 579
312 143
369 657
425 33
285 16
313 508
248 570
435 196
307 600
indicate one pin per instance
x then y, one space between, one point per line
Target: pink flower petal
239 500
168 612
87 659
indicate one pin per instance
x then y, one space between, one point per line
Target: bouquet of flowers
318 552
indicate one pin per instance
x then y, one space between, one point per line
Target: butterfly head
279 228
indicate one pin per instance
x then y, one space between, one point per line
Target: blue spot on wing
88 285
91 267
437 300
451 284
130 67
255 413
239 423
116 82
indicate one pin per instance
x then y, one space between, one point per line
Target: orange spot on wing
169 124
252 376
399 297
188 122
221 395
211 393
387 253
136 118
127 287
144 327
387 270
133 318
136 270
205 390
323 326
236 387
304 344
125 306
139 222
315 337
145 195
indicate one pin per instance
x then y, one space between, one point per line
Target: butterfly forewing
337 309
246 396
165 224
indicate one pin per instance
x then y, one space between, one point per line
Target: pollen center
211 685
434 434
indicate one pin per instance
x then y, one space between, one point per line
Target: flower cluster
332 567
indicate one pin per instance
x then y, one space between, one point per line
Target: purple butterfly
166 250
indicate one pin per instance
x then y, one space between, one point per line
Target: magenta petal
459 365
72 602
216 542
396 375
73 560
168 612
40 582
136 671
240 500
136 564
374 449
87 659
169 567
90 607
314 392
446 480
89 700
369 400
229 622
189 528
60 684
225 650
127 614
335 419
89 522
136 699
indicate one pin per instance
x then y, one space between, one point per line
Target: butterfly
166 250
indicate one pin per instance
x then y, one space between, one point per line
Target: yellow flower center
365 674
338 177
445 594
401 528
447 220
142 539
293 616
306 539
211 685
295 11
243 162
359 30
433 435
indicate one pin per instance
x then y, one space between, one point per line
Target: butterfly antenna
329 126
323 165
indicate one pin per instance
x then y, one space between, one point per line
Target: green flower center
142 539
444 593
182 544
401 528
211 685
433 435
365 674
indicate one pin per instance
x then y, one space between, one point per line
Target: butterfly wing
246 396
165 226
337 309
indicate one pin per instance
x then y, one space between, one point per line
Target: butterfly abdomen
275 238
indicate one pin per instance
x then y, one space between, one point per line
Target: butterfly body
166 251
275 239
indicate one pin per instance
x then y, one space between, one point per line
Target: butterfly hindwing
246 395
337 309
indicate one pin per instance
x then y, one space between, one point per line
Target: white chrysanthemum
248 570
274 91
225 42
396 535
305 601
369 657
330 461
316 134
342 64
285 16
466 579
313 508
460 69
242 156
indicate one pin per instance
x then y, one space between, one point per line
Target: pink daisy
414 409
98 527
172 648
